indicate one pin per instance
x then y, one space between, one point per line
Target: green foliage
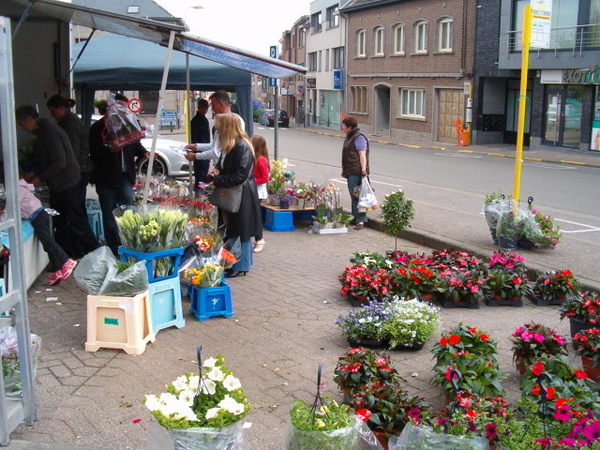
397 212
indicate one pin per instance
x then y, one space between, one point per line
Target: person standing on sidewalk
200 133
355 164
59 169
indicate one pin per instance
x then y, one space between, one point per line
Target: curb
474 152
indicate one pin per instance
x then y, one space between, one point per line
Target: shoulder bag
227 198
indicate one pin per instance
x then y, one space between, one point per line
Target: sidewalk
284 327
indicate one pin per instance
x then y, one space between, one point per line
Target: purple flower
563 414
491 430
592 431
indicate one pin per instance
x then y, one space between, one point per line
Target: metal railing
576 39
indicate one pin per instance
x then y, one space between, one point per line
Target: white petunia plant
410 322
215 402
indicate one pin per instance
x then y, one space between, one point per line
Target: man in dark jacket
114 173
58 168
200 133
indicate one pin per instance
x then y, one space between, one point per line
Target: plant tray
504 302
408 348
448 304
318 230
541 302
371 343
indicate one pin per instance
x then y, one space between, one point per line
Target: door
381 108
564 105
451 107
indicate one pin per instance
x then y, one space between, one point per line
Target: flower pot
413 347
508 243
429 296
301 203
284 203
547 301
382 438
521 368
577 326
459 304
358 300
365 342
526 244
498 300
338 225
589 368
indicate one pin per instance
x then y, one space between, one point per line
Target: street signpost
273 83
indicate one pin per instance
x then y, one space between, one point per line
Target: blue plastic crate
279 220
174 256
165 304
210 301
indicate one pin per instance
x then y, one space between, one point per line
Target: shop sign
338 79
311 83
582 76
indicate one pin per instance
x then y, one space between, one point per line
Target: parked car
284 119
169 158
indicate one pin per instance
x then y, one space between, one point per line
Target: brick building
293 43
410 65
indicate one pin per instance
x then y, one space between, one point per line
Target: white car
169 158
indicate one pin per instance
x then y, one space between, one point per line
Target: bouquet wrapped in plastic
10 359
122 124
211 258
203 216
99 273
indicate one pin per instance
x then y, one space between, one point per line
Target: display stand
277 219
13 302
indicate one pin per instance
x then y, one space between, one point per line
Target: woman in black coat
235 167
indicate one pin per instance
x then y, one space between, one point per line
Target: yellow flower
319 423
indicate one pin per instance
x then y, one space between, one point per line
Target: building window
302 37
412 103
312 62
420 37
360 44
338 58
327 60
445 34
319 61
398 39
358 100
333 17
378 41
316 23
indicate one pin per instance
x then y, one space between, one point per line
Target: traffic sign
273 51
134 105
272 82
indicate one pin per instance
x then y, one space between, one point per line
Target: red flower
537 369
484 337
443 341
580 374
381 361
454 339
364 414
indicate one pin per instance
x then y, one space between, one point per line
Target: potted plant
555 287
510 229
397 212
533 341
329 426
409 323
505 289
473 353
416 280
359 367
321 216
460 288
587 345
302 194
199 410
494 205
507 262
550 232
362 284
583 311
364 326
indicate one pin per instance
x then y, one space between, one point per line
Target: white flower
212 413
210 362
231 383
178 409
231 405
209 387
181 383
187 396
216 374
153 403
193 383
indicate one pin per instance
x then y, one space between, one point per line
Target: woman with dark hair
60 109
234 168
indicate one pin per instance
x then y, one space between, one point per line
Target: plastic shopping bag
426 439
11 370
356 436
122 124
367 200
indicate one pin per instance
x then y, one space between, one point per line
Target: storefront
571 108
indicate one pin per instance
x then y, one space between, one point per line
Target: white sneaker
258 246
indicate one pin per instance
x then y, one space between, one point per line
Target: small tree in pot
397 213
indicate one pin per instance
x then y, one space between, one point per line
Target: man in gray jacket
59 169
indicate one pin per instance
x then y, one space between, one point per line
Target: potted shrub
364 326
587 345
583 312
397 212
473 353
409 323
555 287
533 341
505 289
359 367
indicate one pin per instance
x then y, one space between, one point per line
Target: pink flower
526 335
538 337
559 339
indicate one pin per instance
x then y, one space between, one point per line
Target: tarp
112 62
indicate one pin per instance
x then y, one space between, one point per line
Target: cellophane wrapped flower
203 216
216 400
9 350
212 258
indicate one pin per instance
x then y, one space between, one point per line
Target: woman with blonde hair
234 168
261 178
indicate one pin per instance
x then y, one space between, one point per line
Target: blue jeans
110 198
245 260
353 181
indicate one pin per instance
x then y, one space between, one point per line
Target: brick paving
284 326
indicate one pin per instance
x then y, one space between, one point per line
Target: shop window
412 103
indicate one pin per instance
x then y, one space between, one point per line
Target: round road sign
134 105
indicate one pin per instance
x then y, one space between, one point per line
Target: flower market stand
210 301
119 322
277 219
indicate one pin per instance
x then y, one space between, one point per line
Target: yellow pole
527 20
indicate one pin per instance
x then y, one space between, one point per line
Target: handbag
227 198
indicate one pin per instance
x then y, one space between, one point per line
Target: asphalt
282 329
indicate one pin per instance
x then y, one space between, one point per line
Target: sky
252 25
